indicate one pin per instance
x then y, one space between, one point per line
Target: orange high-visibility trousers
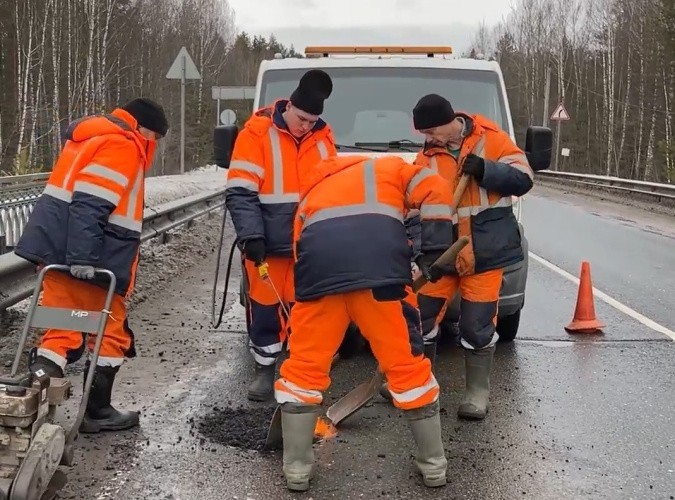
477 310
66 346
391 326
267 325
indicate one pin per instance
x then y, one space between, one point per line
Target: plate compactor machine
32 445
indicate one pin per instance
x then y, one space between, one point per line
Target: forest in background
612 63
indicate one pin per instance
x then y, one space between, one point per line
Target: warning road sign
560 113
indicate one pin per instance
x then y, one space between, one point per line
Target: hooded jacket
91 211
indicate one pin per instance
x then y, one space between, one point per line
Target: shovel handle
459 191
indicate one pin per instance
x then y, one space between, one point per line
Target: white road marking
607 299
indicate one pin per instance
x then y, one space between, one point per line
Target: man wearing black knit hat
274 152
461 143
90 216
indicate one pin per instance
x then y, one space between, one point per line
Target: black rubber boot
100 414
429 352
47 365
262 387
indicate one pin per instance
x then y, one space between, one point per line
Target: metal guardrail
17 275
653 190
16 180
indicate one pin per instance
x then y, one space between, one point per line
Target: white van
370 112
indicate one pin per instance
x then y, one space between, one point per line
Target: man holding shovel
353 264
456 144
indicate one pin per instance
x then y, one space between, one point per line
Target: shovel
358 397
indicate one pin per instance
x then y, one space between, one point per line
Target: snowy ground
159 261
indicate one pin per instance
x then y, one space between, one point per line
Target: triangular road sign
560 113
176 69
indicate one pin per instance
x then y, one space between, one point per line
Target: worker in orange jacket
456 144
276 149
90 215
353 264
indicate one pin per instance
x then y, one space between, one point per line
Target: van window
374 105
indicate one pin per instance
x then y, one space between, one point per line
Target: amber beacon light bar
317 51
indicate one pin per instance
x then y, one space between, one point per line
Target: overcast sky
373 22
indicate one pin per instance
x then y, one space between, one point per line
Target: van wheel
507 327
352 343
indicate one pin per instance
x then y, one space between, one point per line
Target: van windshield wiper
397 144
359 146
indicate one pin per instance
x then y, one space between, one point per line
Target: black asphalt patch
241 427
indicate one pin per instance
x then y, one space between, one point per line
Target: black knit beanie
431 111
314 87
148 114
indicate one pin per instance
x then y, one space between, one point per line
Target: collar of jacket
272 115
472 126
147 147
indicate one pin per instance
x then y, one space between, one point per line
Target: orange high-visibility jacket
485 212
349 232
91 211
267 169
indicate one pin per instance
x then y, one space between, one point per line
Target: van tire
507 327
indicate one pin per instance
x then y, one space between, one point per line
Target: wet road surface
570 416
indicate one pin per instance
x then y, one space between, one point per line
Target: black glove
475 166
255 250
424 262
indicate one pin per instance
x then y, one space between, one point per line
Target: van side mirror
223 144
539 147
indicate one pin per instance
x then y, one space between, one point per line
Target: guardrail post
3 244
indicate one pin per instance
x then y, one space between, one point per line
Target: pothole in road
241 427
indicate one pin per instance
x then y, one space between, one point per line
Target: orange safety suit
91 213
353 263
267 168
485 215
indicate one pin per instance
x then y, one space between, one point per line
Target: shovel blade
355 399
275 439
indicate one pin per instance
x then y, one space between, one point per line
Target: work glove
424 263
474 166
255 250
82 272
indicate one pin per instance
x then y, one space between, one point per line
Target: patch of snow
165 188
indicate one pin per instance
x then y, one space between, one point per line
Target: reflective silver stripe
270 349
416 393
369 206
247 166
58 193
108 361
514 158
277 161
475 210
479 148
292 393
323 150
126 222
133 195
433 164
417 178
242 183
435 211
106 173
52 356
484 199
269 199
98 191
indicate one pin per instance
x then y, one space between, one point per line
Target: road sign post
183 68
559 115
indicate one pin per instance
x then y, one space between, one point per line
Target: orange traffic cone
584 315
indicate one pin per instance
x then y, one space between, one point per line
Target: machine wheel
40 464
507 327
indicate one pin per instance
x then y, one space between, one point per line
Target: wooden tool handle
446 259
459 192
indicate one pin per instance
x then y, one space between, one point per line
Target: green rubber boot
477 363
297 423
425 424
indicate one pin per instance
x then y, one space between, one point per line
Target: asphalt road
571 416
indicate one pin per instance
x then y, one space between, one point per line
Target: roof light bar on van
386 49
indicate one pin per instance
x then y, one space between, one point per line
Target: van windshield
371 106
